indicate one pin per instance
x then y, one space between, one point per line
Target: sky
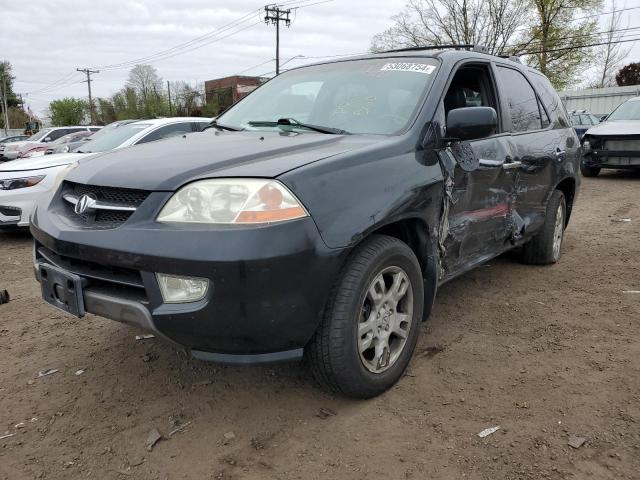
46 41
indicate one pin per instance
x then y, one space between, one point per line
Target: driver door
480 183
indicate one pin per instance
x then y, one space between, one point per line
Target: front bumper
268 285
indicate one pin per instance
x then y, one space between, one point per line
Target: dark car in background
319 215
582 121
615 143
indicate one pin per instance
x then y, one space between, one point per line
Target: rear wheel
588 171
371 323
545 247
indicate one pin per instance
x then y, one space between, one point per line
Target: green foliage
559 32
7 74
68 111
628 75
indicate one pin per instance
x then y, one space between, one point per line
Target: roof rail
433 47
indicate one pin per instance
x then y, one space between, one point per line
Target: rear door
541 138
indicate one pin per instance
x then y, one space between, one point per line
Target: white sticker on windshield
409 67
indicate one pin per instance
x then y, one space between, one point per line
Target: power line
584 35
576 47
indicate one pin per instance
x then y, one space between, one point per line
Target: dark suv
319 215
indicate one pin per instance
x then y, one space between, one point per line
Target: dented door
480 190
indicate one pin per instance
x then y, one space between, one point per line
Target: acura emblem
85 202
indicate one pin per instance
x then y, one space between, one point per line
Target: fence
599 101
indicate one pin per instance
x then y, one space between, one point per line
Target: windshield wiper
219 126
292 122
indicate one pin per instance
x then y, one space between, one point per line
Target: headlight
15 183
65 149
232 201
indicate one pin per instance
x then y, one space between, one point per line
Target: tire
334 353
589 171
540 249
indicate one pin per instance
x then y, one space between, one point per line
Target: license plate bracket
62 289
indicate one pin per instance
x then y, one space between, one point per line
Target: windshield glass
36 137
629 110
110 138
375 96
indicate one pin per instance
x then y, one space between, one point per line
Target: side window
56 134
167 131
522 100
198 126
470 87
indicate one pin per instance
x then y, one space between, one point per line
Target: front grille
126 197
110 199
622 145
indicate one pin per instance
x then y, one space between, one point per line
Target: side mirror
469 123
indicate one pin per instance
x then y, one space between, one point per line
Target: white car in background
21 181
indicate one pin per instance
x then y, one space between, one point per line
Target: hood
39 163
166 165
621 127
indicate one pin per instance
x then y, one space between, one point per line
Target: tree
185 98
556 38
490 23
608 56
147 85
7 74
628 75
68 111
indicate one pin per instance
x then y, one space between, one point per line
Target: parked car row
13 150
22 181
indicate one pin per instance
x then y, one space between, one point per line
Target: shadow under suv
319 215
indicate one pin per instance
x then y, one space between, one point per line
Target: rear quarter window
550 100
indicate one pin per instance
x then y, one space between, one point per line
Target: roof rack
470 47
433 47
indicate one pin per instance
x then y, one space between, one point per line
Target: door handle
485 162
511 165
560 154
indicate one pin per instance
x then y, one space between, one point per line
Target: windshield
36 137
375 96
111 137
629 110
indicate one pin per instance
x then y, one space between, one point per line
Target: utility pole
4 104
274 15
88 73
169 93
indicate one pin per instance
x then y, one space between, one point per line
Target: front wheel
545 247
371 322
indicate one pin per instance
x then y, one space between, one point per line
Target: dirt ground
546 353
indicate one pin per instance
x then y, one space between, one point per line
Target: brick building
226 91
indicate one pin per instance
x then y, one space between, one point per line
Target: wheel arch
568 187
415 232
